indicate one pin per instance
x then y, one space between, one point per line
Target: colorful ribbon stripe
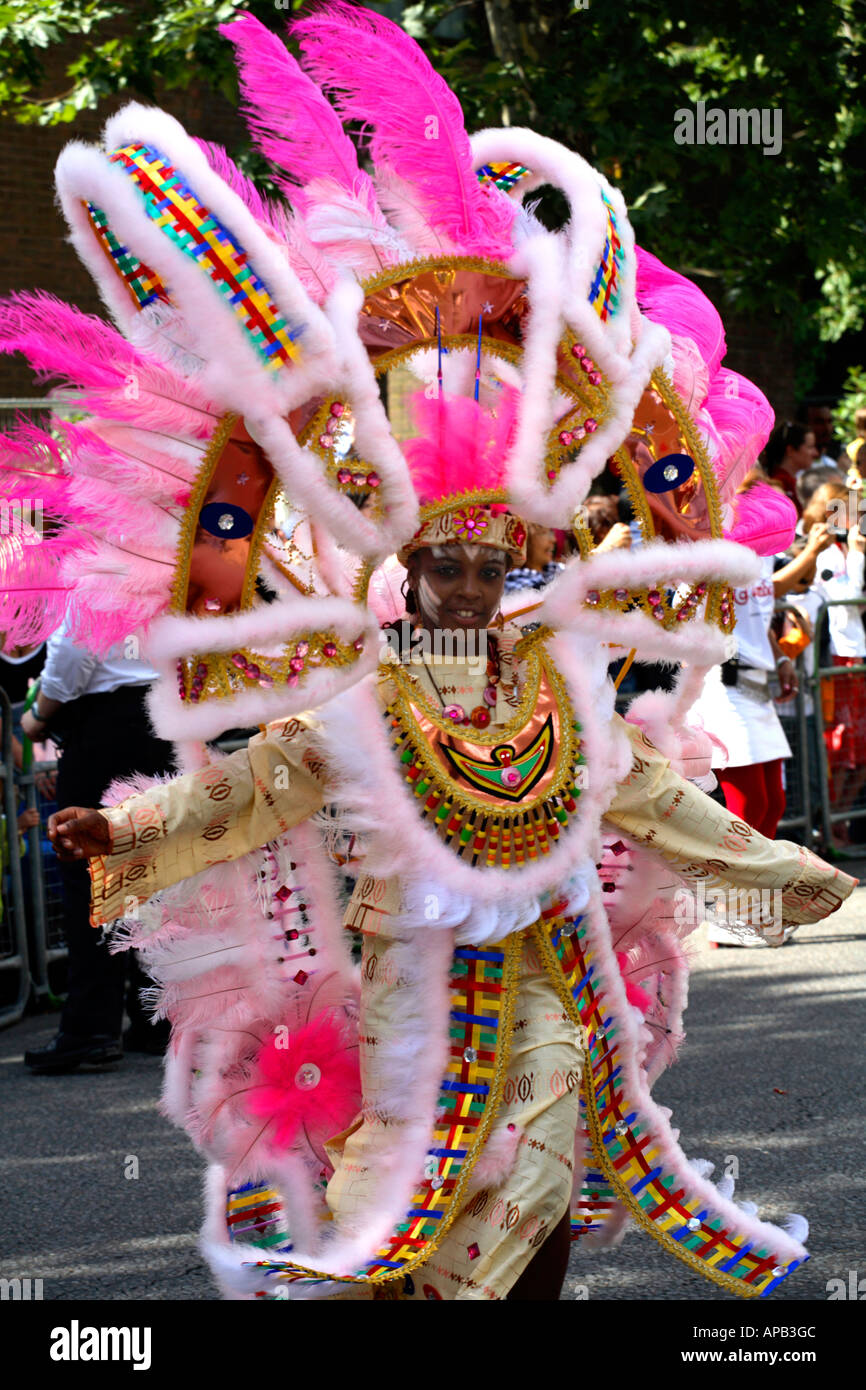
604 290
143 284
627 1155
174 208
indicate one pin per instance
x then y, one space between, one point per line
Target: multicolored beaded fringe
625 1152
143 283
483 984
603 292
503 839
176 210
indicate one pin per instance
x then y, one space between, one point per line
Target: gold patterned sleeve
220 812
667 814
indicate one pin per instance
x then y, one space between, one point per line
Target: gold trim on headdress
469 518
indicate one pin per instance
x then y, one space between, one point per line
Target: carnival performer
426 1126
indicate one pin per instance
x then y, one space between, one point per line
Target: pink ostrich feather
671 299
381 77
460 447
323 1053
765 520
289 118
742 419
222 164
737 415
84 352
301 133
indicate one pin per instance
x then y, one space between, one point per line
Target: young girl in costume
428 1125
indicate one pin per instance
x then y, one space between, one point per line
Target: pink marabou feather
461 446
381 77
279 1096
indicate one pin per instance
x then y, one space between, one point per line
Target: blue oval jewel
225 520
669 472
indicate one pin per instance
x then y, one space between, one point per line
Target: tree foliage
783 234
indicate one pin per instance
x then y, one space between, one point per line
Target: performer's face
458 586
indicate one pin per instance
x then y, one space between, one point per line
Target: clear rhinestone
469 1054
778 1271
307 1076
671 473
694 1223
437 1182
226 521
620 1127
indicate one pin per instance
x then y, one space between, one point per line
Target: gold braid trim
600 1154
511 948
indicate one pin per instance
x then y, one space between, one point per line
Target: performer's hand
787 679
79 833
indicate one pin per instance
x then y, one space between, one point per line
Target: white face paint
428 602
468 551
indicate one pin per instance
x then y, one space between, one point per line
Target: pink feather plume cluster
422 196
308 1081
737 416
765 519
460 445
107 569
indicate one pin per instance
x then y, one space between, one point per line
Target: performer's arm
665 813
175 830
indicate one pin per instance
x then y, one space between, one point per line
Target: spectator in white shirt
839 575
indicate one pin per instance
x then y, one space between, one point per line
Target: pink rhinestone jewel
329 649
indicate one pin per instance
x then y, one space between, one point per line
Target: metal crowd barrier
31 928
817 675
14 954
809 810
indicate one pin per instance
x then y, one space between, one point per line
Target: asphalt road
772 1073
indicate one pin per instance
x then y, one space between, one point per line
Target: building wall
33 249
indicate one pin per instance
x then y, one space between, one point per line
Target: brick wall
33 251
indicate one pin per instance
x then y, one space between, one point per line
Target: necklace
480 716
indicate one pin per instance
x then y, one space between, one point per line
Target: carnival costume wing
284 387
